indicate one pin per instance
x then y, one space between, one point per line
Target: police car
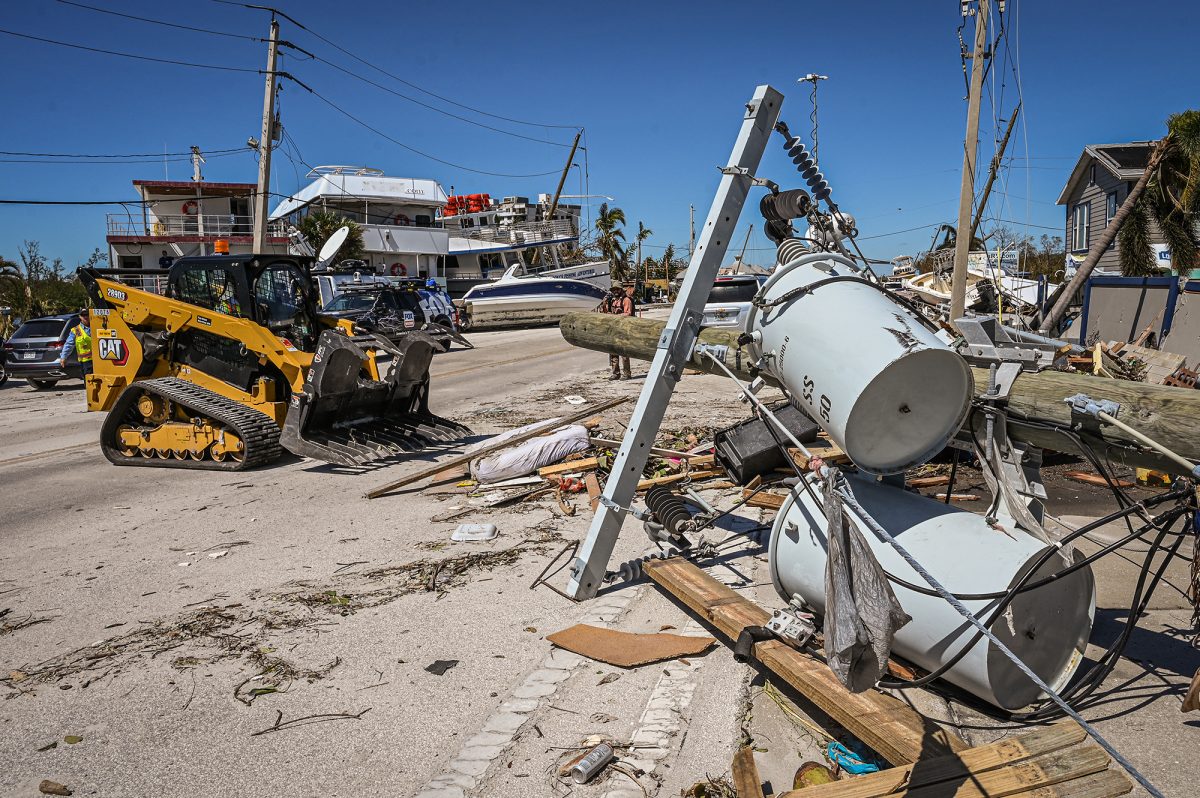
389 305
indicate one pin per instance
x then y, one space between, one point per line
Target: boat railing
528 233
207 224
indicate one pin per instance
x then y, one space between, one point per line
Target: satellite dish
332 246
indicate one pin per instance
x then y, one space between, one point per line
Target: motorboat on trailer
524 300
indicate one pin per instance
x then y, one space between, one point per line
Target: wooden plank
768 501
745 774
1018 778
958 497
464 459
567 466
889 726
929 482
672 478
593 489
830 453
1105 784
1001 753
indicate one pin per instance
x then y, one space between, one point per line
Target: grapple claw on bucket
346 418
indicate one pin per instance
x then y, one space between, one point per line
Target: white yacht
520 299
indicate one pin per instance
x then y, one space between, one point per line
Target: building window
1110 210
1080 216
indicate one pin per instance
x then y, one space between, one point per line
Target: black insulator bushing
669 509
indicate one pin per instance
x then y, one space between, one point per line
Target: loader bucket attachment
346 418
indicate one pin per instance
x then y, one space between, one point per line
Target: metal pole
994 170
563 179
263 194
675 345
962 240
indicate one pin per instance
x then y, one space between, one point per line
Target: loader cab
274 292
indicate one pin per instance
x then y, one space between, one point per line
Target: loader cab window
280 299
213 287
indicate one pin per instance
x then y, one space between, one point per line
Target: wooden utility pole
562 180
263 195
962 232
993 171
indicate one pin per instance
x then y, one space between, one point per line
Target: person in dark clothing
618 303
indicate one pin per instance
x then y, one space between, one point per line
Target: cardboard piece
627 649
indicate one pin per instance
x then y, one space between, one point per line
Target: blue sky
658 87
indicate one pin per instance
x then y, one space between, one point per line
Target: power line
399 143
161 22
157 155
343 50
434 108
131 55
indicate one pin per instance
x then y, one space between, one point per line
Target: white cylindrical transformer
1047 627
885 388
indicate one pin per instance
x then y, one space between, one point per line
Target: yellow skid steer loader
233 364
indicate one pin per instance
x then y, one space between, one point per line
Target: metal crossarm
675 344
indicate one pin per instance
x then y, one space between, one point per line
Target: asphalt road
175 617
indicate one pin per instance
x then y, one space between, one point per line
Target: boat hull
526 302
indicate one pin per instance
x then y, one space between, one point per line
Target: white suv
729 300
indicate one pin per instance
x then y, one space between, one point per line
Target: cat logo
113 349
113 293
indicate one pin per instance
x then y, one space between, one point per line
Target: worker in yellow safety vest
80 339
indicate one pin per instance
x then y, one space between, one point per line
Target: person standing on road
618 303
80 338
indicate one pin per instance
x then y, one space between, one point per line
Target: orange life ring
191 208
399 270
402 220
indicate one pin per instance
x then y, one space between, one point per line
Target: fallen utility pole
1160 412
464 459
962 233
563 179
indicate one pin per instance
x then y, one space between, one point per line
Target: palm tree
610 238
1174 171
1171 199
318 226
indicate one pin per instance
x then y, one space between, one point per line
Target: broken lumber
929 482
896 731
672 478
957 497
768 501
568 466
462 459
746 780
1044 762
1170 415
831 453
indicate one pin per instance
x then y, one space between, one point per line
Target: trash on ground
440 666
627 649
592 763
1096 479
466 533
525 458
575 399
48 787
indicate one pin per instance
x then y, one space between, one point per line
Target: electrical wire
135 56
111 162
412 149
161 22
156 155
382 71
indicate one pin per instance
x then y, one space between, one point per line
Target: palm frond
1136 254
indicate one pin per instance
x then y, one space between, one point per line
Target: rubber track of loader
259 433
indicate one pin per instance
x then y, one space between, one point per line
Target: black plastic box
747 449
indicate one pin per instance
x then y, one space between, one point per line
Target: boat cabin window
424 221
212 287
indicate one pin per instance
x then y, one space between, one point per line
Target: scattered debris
48 787
72 739
608 678
1096 479
281 724
440 666
957 497
8 626
474 532
627 649
591 763
810 774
